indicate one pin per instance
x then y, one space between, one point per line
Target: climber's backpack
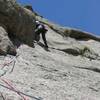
41 27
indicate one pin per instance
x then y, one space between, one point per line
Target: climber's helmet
37 22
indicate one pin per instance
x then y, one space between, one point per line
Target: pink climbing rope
13 88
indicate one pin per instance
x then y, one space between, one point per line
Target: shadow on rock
43 46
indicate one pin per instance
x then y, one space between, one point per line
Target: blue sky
81 14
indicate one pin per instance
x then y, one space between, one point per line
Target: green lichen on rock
88 53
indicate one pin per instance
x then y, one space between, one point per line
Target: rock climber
40 29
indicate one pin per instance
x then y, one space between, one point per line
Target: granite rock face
68 70
17 21
6 45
